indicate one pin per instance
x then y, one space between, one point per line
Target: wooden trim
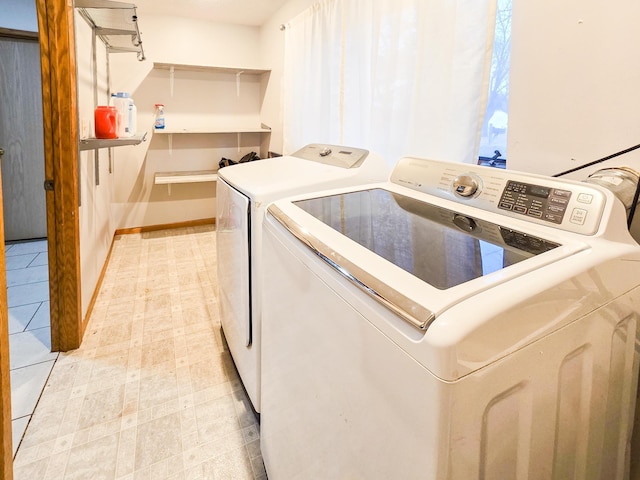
167 226
96 292
6 458
18 34
58 65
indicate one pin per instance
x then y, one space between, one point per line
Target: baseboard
166 226
96 291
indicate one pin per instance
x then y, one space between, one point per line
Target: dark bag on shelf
225 162
249 157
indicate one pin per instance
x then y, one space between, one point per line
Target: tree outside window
493 142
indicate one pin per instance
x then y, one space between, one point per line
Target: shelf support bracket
238 83
172 72
238 141
170 140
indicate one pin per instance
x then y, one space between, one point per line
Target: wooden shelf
196 176
94 143
207 130
209 68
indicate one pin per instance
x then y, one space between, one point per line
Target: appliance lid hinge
48 185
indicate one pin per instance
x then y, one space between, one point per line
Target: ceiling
239 12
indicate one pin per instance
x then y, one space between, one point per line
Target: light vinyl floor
152 393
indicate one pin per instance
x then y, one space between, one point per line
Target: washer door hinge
48 185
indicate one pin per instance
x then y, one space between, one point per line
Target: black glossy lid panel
439 246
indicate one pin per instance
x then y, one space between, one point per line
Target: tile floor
29 329
152 393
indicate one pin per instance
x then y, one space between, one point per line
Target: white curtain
399 77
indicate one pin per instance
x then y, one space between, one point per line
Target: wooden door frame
6 443
59 104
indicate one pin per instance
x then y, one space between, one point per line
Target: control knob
466 185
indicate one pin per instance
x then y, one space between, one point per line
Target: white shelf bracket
238 83
170 141
238 141
169 189
172 72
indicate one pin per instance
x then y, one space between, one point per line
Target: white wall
575 78
198 98
95 214
19 15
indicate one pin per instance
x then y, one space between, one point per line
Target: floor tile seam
35 407
27 330
120 459
28 267
10 284
32 283
16 253
27 304
39 363
8 269
36 313
51 464
46 264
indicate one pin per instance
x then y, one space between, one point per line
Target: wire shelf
115 23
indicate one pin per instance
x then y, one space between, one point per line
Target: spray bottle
159 123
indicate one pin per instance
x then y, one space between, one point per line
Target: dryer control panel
565 204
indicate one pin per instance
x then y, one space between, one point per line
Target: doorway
25 225
21 138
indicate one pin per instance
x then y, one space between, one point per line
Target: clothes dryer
243 192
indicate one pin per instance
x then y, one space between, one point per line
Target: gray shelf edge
95 143
102 4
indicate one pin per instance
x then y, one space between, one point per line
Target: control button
578 216
550 217
556 208
561 193
559 201
519 209
465 185
535 213
585 198
506 206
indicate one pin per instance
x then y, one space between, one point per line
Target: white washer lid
266 180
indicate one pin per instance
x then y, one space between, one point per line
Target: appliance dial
466 185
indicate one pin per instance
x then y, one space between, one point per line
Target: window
493 143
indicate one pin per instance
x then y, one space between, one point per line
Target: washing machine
243 191
454 322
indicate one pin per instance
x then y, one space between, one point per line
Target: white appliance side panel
560 408
341 400
232 238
